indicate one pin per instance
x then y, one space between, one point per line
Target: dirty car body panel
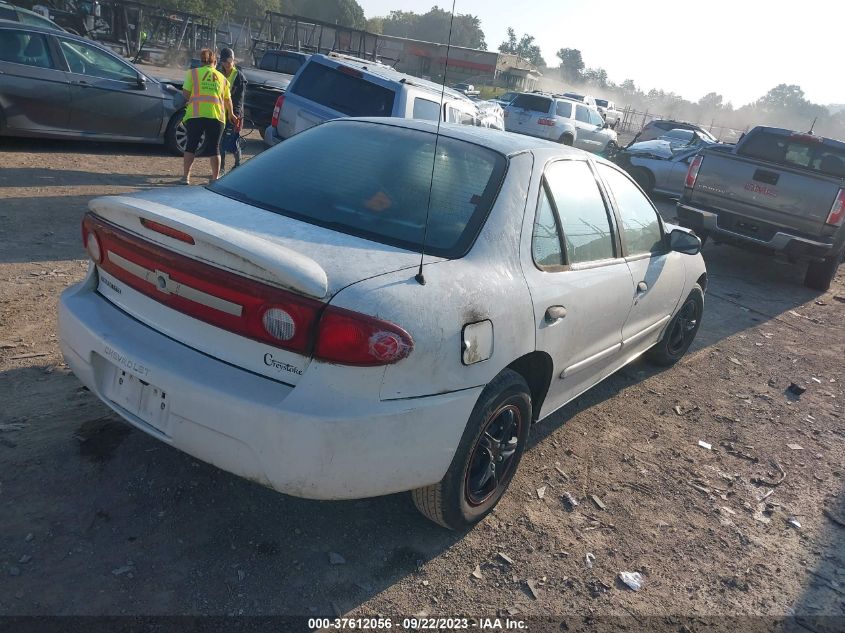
157 334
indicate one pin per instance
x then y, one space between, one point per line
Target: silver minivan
561 120
332 87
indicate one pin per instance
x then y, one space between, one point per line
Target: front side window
584 220
640 224
595 118
344 90
287 65
20 47
374 181
545 241
35 20
88 60
427 110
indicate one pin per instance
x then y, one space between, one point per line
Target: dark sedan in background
59 85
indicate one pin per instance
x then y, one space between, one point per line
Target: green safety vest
209 89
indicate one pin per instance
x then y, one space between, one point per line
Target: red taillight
550 122
207 293
277 110
351 338
692 174
837 211
166 230
91 244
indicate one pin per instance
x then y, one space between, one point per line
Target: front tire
680 332
644 179
821 273
487 456
176 136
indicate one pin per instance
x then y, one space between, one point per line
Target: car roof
387 73
506 143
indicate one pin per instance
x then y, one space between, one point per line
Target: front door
106 97
589 137
580 287
658 276
33 91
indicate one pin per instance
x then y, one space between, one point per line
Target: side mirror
142 82
684 242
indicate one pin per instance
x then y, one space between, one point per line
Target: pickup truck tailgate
795 199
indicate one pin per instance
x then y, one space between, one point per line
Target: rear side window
545 242
373 181
534 103
564 109
583 216
8 14
792 151
425 109
284 64
25 48
346 92
35 20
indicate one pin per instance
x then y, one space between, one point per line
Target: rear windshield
281 63
372 181
601 102
793 151
535 103
344 92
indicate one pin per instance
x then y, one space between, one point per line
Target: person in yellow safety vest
209 105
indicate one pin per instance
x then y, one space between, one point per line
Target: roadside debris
505 558
735 361
477 573
589 559
336 559
122 570
569 501
794 523
24 559
795 447
532 587
561 472
631 579
796 389
760 480
541 492
704 444
599 503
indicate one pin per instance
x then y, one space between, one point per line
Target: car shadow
41 177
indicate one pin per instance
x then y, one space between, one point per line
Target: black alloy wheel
492 459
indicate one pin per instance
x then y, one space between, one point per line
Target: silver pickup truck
777 191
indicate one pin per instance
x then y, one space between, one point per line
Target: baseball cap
226 53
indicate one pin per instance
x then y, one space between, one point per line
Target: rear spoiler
235 250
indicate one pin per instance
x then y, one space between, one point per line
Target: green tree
711 101
375 25
434 27
524 48
596 76
344 12
571 64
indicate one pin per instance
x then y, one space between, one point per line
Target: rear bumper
271 137
781 241
327 438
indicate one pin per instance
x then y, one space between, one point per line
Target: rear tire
680 332
496 433
821 273
567 140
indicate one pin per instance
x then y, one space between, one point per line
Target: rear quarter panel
485 284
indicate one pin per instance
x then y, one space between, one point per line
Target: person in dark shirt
237 86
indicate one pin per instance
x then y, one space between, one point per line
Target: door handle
555 314
642 286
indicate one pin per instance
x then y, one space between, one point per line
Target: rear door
34 92
580 285
657 272
588 137
106 97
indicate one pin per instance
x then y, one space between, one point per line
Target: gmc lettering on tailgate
766 191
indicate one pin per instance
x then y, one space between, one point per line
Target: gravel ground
98 518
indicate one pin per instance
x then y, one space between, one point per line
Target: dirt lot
99 518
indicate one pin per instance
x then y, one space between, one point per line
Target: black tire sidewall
660 353
820 274
508 387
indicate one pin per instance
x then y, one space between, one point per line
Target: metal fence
634 120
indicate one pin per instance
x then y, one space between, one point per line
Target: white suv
561 120
327 88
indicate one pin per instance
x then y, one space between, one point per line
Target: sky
738 48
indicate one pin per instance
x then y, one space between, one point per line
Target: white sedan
283 324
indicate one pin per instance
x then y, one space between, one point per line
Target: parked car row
559 119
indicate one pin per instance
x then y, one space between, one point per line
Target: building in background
516 73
